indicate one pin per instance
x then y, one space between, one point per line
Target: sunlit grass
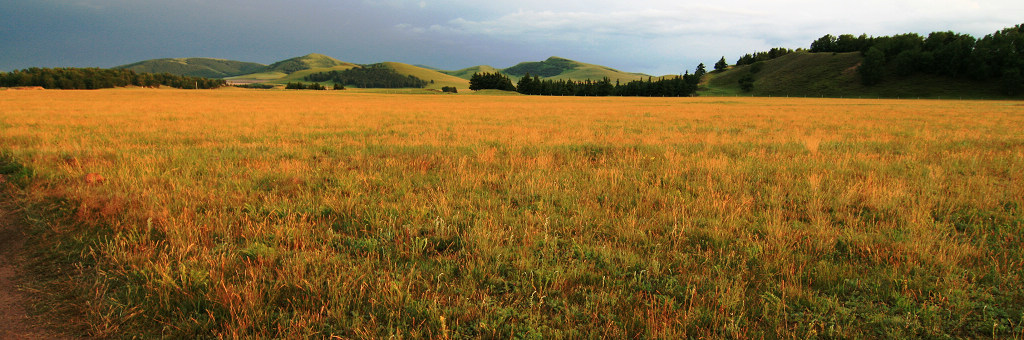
308 214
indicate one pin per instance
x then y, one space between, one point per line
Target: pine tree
721 65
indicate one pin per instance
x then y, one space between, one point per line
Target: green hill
306 62
437 78
561 68
553 68
295 69
805 74
468 72
304 66
195 67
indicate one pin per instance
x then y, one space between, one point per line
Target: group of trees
371 76
678 86
490 81
841 44
997 56
533 85
748 58
97 78
301 86
255 86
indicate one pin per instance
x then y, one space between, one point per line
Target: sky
654 37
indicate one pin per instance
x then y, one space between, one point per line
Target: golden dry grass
236 213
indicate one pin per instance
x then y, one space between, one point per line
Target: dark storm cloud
658 37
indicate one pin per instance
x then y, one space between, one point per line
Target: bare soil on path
15 321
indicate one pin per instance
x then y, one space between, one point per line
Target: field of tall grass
236 213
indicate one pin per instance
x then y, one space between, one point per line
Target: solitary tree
721 65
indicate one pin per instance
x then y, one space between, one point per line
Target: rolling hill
468 72
278 76
437 79
553 68
306 62
805 74
195 67
561 68
295 69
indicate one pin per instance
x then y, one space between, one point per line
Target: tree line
749 59
678 86
301 86
98 78
490 81
372 76
997 56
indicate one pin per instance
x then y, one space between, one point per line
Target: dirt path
15 322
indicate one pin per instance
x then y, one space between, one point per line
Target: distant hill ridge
561 68
552 68
195 67
306 62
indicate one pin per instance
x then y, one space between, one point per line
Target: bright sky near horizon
651 36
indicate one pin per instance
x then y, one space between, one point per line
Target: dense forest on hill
97 78
998 56
372 76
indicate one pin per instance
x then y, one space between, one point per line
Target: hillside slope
306 62
552 68
437 79
468 72
195 67
804 74
561 68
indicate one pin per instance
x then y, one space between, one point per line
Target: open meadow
295 214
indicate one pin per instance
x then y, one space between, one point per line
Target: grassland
314 213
